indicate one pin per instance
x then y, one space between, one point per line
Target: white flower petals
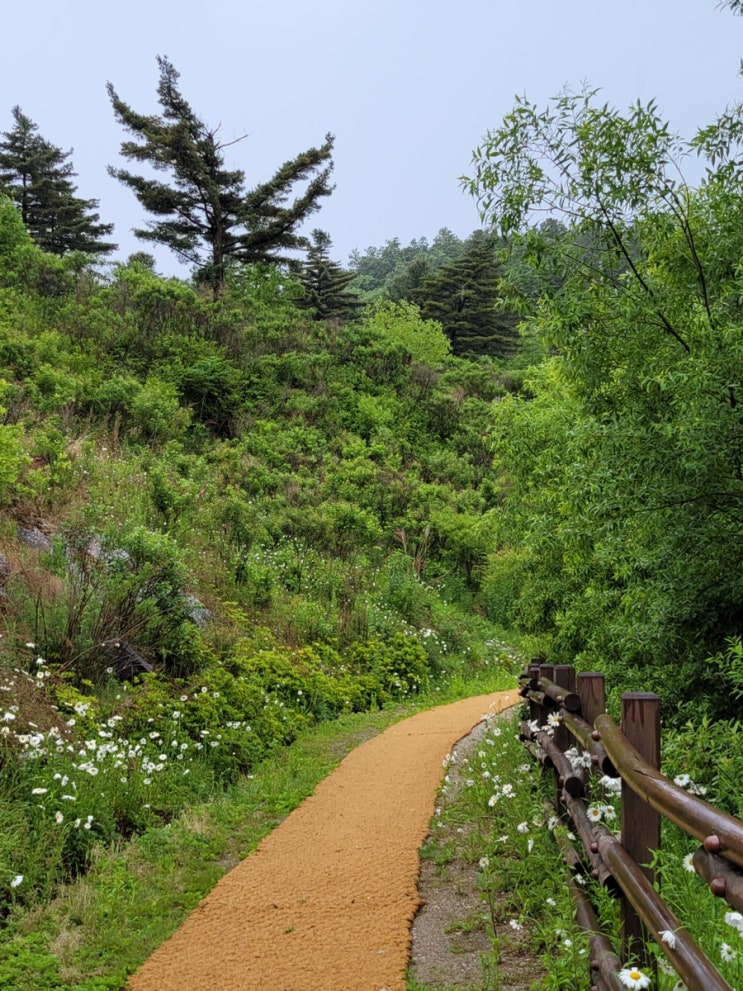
668 937
633 978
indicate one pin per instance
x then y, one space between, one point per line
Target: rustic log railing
631 752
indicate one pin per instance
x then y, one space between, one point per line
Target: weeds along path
327 900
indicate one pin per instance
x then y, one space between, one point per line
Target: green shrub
22 264
145 580
255 571
12 460
401 323
400 664
212 388
503 579
710 753
156 412
156 305
115 395
305 621
350 528
128 585
402 590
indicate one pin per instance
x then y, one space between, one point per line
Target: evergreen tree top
203 211
326 285
37 176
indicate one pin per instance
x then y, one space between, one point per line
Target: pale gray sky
408 87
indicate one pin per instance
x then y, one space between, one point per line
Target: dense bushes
619 464
266 511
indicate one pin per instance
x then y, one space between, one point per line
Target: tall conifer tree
325 283
464 297
38 176
205 214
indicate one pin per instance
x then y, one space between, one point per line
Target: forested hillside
263 518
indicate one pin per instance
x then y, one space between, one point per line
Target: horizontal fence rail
719 832
629 752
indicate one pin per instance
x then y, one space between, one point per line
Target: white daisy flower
631 977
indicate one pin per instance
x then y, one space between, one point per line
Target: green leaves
401 323
622 471
584 161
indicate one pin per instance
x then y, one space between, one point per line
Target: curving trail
326 901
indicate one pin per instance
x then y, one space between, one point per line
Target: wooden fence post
548 671
534 707
592 691
640 824
545 671
565 678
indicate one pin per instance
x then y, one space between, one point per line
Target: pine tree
38 176
464 297
205 215
325 283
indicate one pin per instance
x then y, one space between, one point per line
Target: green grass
101 927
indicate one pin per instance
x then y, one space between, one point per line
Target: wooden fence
567 711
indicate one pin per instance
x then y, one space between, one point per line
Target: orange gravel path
326 901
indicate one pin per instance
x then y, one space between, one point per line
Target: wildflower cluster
507 792
94 775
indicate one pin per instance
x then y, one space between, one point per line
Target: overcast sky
408 87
